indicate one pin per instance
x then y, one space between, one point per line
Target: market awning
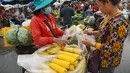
16 1
19 1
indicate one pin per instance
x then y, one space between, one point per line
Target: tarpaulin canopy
15 1
6 0
19 1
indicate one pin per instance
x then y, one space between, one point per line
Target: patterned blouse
113 31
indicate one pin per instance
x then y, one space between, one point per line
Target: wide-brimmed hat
41 3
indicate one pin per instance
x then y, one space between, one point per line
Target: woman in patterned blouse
113 31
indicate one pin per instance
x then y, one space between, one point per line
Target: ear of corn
58 68
69 49
42 53
80 57
54 50
74 46
74 50
61 63
78 51
71 68
66 58
69 54
76 63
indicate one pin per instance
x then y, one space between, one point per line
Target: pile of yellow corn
54 49
67 58
65 61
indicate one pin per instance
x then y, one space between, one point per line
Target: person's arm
36 34
97 33
90 32
114 42
57 31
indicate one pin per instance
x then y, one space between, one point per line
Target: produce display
89 20
67 58
75 22
19 36
54 58
24 37
11 36
78 17
54 49
55 13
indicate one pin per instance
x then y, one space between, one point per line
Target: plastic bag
76 37
80 68
69 33
80 36
91 38
40 64
33 62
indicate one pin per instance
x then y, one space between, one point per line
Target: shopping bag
94 62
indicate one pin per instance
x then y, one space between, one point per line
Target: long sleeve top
113 35
40 31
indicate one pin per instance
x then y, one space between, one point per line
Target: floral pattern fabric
113 35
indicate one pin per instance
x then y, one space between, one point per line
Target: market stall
71 58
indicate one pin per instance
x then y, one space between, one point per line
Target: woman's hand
89 32
89 43
59 41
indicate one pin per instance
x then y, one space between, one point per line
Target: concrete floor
8 59
8 63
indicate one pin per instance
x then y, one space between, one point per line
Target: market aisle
8 60
8 63
125 64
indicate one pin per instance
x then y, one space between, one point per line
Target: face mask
48 10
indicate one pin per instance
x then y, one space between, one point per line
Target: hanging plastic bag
80 36
69 34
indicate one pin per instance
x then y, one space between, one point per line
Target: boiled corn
61 63
42 53
57 68
69 54
66 58
71 68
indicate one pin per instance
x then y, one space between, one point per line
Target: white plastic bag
80 37
69 33
91 38
76 36
80 68
32 63
40 64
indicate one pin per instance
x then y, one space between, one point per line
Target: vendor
113 31
43 25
